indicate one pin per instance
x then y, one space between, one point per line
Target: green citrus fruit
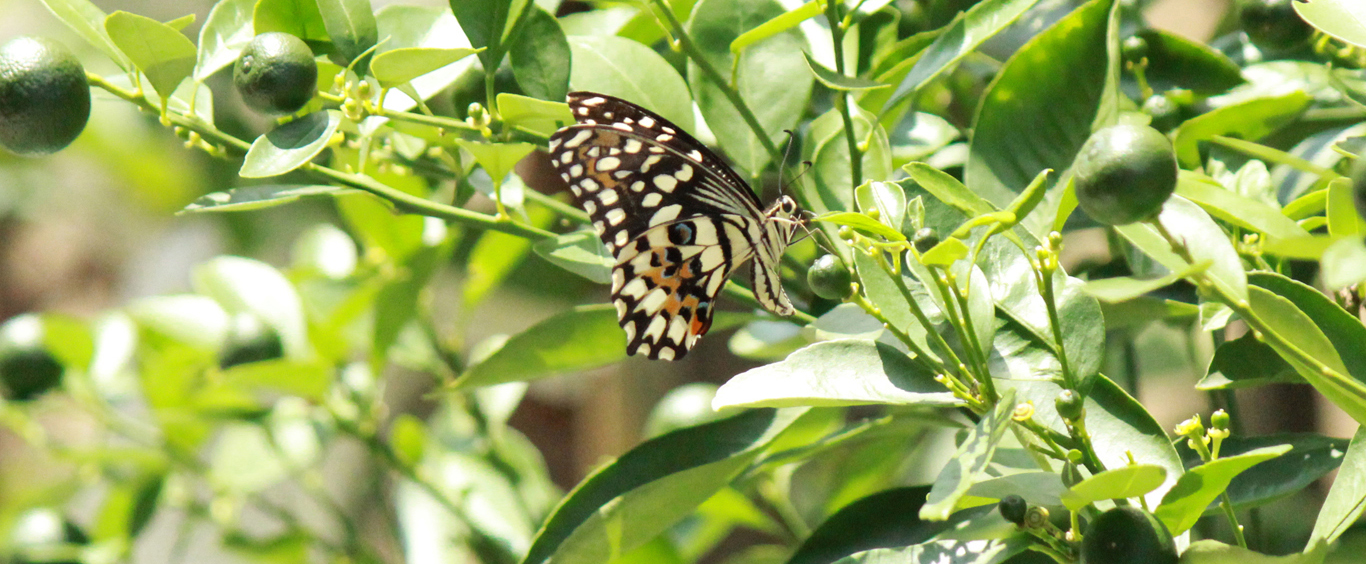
1127 535
925 239
1273 25
1013 508
1165 112
27 368
276 73
1124 173
44 98
249 340
829 279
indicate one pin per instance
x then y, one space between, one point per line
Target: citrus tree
942 392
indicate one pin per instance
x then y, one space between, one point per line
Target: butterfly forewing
676 219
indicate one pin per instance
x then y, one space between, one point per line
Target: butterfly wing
676 219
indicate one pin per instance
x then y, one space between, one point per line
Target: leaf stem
837 30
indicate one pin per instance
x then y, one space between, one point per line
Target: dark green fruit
1124 173
1134 49
276 73
1166 113
27 368
829 279
44 98
925 239
1273 25
249 340
1013 508
1128 535
1069 405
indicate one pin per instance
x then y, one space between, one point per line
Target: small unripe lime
1124 173
1134 49
44 97
249 340
829 279
925 239
1013 508
27 367
1127 535
276 73
1273 25
1165 112
1069 405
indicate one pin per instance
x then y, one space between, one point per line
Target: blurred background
95 226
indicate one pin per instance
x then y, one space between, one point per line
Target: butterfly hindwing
676 219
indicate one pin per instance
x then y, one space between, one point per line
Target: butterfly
677 220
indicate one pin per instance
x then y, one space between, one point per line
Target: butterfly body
676 219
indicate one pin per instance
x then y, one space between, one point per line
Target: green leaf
580 252
1338 18
1313 457
404 27
628 502
1202 237
487 24
961 37
397 301
259 197
1121 288
1185 503
1347 498
494 257
1246 362
536 116
771 76
883 290
1215 552
1142 310
783 22
581 338
836 81
1299 330
1049 97
1344 263
863 223
887 198
1119 483
244 461
541 57
830 153
946 252
1011 276
498 159
227 29
1037 488
1249 120
630 71
1342 329
833 373
398 66
1177 62
165 55
968 463
291 145
1236 209
948 190
973 551
307 379
1343 220
889 518
351 26
246 285
1122 431
300 18
87 21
